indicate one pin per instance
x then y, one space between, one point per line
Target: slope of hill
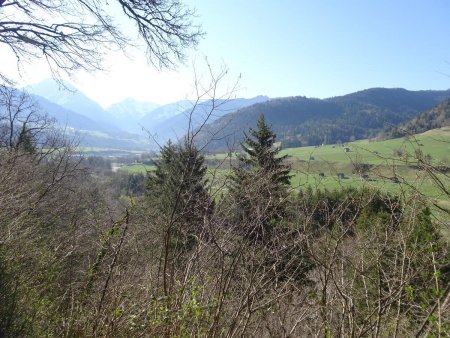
152 118
127 113
300 121
69 118
70 98
175 126
395 99
89 133
436 117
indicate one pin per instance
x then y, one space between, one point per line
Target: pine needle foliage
259 184
178 191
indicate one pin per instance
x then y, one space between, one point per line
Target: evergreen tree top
259 185
260 146
261 153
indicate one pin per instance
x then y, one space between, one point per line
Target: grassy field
435 143
318 167
107 152
137 168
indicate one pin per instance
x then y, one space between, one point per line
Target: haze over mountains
298 121
128 112
129 124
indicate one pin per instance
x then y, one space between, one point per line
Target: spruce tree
259 183
178 191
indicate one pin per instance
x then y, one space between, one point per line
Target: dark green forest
437 117
300 121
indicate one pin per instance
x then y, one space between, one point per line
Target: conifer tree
259 184
177 189
25 141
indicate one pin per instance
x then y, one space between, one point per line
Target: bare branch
73 35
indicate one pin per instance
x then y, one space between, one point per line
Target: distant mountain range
84 118
297 121
193 116
70 98
90 133
129 123
301 121
129 112
151 120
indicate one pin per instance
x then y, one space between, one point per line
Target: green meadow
435 143
137 168
379 162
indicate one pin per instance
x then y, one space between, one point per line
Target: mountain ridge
174 127
69 97
301 121
436 117
298 120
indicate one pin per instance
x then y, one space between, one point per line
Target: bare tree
33 151
24 127
20 119
73 35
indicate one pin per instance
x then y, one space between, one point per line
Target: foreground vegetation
188 250
184 252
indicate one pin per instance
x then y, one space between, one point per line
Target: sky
291 47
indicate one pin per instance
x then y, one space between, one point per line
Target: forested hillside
191 115
436 117
300 121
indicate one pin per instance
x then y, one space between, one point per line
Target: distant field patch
435 143
137 168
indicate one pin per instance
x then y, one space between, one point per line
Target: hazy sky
295 47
